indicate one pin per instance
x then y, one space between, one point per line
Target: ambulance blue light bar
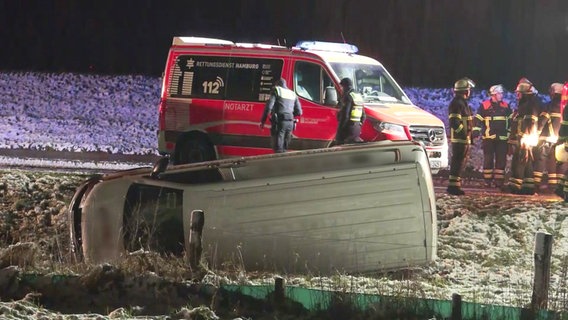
327 46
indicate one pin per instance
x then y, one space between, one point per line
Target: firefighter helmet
525 80
464 84
496 89
524 88
556 88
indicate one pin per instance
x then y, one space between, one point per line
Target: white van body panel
355 208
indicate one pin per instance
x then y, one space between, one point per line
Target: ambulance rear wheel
195 150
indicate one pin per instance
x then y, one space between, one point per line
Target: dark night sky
422 42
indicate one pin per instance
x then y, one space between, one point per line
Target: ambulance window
310 81
224 78
252 79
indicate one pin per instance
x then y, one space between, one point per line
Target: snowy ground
486 241
74 112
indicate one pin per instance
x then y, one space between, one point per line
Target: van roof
327 51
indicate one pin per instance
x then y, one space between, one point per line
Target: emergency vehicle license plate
435 164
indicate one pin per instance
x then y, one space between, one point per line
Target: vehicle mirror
330 96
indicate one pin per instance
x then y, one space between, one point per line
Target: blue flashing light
327 46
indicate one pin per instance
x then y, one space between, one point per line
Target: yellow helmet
524 88
464 84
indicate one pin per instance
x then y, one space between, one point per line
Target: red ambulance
214 92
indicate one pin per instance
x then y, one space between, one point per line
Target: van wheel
195 150
75 214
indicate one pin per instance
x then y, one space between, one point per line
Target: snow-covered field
485 241
74 112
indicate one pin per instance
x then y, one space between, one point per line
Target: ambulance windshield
372 81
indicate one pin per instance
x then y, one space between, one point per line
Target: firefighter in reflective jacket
351 114
283 105
461 127
513 144
491 123
522 177
548 125
563 141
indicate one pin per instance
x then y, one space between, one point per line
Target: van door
318 124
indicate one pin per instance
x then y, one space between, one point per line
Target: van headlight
390 129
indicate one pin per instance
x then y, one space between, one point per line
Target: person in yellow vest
351 114
283 105
492 123
460 118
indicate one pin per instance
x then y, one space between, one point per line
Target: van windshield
372 81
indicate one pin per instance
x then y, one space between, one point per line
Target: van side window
223 78
310 81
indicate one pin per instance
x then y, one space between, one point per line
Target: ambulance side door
318 124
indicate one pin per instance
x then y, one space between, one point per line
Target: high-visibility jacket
460 120
492 120
550 119
357 107
563 131
351 108
515 129
283 105
529 110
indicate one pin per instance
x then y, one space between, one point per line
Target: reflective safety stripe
285 93
555 115
455 115
490 118
357 109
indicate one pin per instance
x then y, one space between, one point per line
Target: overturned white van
353 208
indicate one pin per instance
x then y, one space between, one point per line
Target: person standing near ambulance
283 106
351 114
492 125
461 126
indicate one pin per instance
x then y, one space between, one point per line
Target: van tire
194 150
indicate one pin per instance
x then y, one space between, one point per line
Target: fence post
542 254
456 307
195 232
279 290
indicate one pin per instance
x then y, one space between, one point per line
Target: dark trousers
545 161
349 133
282 135
523 175
460 153
494 159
